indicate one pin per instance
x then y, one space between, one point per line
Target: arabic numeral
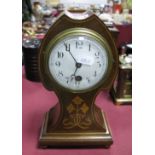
79 44
67 47
60 54
57 63
60 73
89 47
99 64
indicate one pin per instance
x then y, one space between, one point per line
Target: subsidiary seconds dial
78 62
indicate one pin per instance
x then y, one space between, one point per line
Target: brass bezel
73 32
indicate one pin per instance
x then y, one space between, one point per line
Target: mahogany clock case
76 121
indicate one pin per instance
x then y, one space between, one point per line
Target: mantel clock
77 60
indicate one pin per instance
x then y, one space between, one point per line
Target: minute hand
72 56
67 47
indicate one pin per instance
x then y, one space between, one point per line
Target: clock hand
78 65
73 75
75 72
72 56
85 60
67 48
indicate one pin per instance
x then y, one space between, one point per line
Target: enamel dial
78 62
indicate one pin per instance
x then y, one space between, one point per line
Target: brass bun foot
57 136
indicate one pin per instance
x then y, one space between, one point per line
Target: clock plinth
74 131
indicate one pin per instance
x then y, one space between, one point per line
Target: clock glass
78 62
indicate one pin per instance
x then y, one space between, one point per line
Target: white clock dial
78 62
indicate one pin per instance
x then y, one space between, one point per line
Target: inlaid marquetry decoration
77 114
